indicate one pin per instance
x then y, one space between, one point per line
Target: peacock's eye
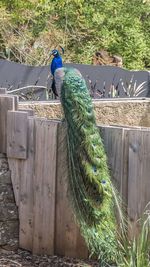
94 168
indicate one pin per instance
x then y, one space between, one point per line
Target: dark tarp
103 81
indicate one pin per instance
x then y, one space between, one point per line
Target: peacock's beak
50 54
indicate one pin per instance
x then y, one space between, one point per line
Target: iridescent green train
91 188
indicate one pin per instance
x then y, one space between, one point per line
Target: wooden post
29 111
3 91
6 103
41 180
114 146
68 240
44 186
17 134
16 172
26 192
138 176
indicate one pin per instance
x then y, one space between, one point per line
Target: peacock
89 179
56 64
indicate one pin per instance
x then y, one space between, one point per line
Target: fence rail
37 154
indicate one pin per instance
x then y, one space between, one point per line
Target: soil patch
23 258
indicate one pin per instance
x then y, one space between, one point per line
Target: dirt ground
23 258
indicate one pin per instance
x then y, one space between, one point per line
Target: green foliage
135 252
82 26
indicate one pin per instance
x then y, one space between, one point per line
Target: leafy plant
135 252
131 89
31 28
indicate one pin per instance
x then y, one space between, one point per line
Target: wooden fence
37 155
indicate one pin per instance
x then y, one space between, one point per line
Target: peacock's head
54 53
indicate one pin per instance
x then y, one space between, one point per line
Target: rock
5 178
6 194
3 165
9 233
8 211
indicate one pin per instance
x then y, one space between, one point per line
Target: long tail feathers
91 188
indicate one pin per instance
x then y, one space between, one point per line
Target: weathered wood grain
3 91
16 172
17 134
138 176
68 240
6 103
41 181
29 111
113 143
44 186
26 193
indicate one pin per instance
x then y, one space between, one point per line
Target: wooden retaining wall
37 154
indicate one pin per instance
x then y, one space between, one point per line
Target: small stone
8 211
9 233
5 177
6 194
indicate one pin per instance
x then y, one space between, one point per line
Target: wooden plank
29 111
16 102
26 193
116 146
68 240
3 91
6 103
134 177
125 163
44 186
15 168
17 134
113 143
138 180
145 178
